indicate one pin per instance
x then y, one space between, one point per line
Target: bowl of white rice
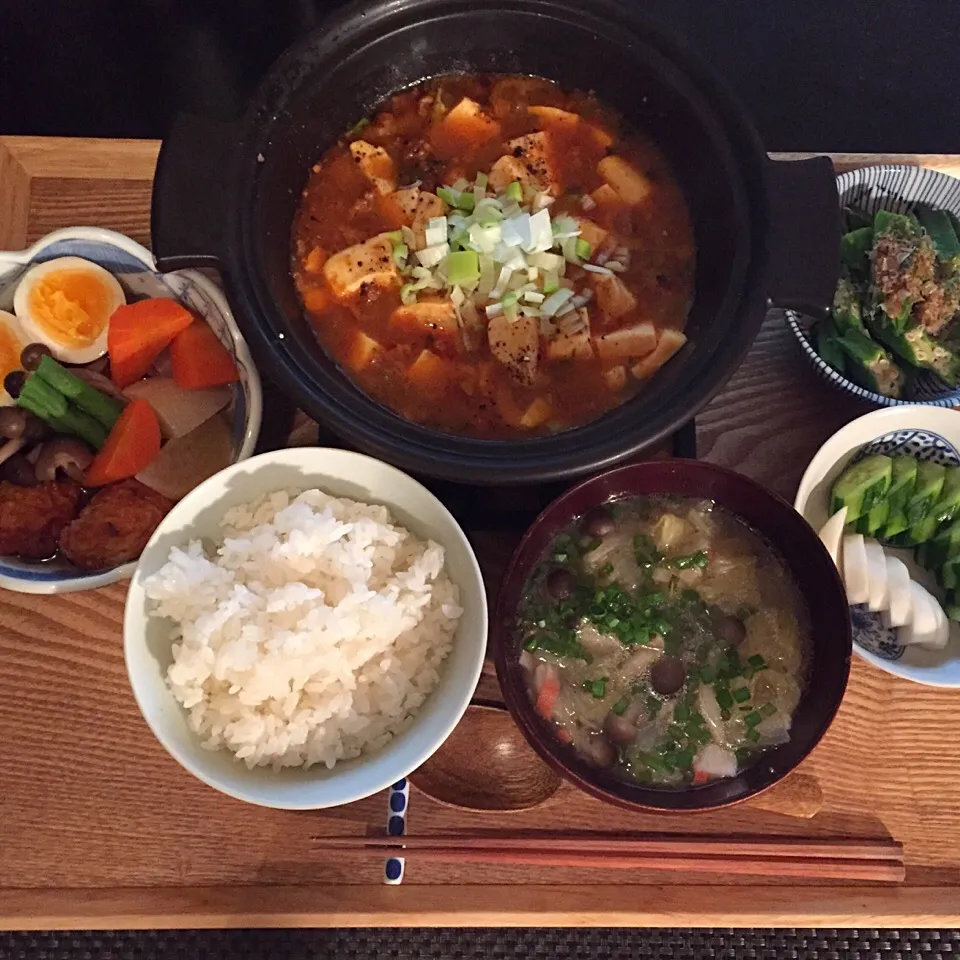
305 628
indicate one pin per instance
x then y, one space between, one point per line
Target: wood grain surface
99 827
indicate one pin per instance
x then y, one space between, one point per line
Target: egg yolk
72 307
10 348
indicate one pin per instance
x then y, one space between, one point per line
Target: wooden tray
99 828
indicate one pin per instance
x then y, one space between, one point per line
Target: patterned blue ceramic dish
133 265
923 433
897 188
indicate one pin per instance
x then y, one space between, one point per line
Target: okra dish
896 312
494 257
664 640
110 412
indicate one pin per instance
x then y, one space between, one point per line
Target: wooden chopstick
863 860
817 868
625 843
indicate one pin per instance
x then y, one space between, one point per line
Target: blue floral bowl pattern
868 629
897 188
133 265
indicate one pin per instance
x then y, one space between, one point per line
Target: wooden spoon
486 764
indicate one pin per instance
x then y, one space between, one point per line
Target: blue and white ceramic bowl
927 434
133 265
898 188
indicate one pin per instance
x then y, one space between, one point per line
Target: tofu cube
593 233
465 126
316 258
362 352
573 345
505 171
430 373
367 263
414 208
668 344
530 161
538 412
563 118
315 299
516 344
554 115
613 296
630 184
606 196
615 378
425 318
375 164
628 343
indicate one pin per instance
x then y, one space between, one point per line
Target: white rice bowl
305 628
314 632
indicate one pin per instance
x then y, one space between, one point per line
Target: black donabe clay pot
766 232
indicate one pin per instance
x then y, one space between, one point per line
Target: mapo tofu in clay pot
495 257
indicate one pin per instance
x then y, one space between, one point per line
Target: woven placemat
485 944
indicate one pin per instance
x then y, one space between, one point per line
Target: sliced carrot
133 444
139 333
564 736
200 360
700 777
549 691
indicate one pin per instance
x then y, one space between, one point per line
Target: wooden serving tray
99 828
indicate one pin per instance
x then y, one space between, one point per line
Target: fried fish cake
31 518
115 526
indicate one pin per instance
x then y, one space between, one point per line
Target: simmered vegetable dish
665 640
494 257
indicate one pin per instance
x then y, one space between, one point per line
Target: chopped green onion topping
596 688
741 694
767 710
400 253
583 249
752 719
757 662
619 708
463 268
514 191
753 734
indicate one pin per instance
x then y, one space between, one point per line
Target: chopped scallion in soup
665 640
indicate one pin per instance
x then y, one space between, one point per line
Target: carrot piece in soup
200 360
132 445
549 691
139 333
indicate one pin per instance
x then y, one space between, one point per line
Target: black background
838 75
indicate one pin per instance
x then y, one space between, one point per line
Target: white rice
314 632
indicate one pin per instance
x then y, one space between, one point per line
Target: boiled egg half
66 304
12 343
